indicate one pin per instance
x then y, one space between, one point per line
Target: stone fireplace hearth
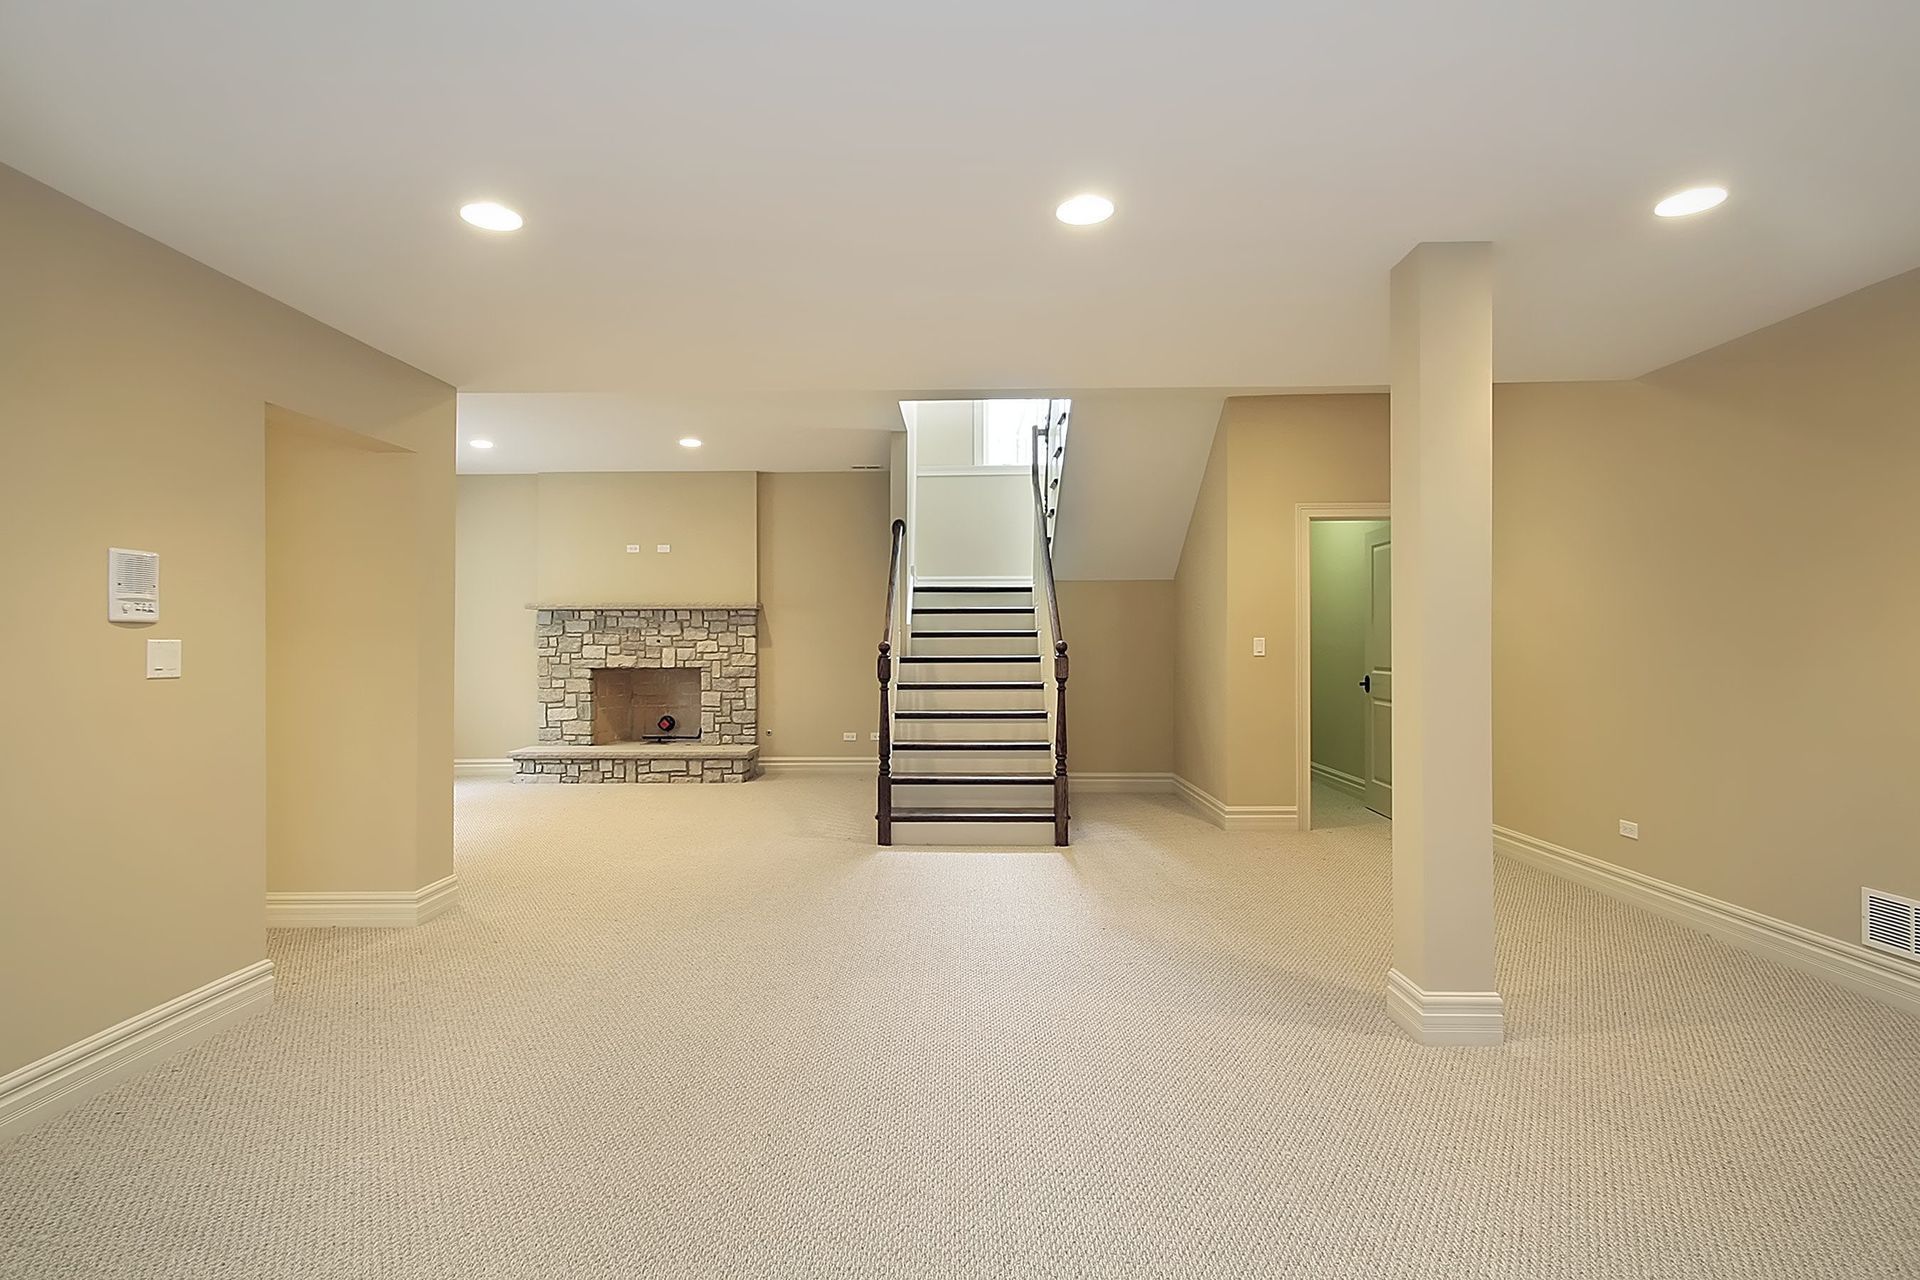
606 676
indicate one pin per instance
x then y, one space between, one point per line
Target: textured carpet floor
710 1031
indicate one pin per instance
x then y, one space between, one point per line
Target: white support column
1441 987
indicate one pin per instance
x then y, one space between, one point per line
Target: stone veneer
722 643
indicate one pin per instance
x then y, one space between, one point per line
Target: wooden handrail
1060 815
884 668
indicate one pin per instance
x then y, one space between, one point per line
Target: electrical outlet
1631 830
849 737
663 548
1259 646
633 548
874 736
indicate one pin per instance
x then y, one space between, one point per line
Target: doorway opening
1343 741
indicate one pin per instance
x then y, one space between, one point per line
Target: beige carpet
711 1031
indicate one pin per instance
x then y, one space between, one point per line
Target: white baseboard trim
39 1091
1445 1017
482 768
1238 817
1847 963
1333 777
396 909
868 765
1097 784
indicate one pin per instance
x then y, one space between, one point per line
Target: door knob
1366 682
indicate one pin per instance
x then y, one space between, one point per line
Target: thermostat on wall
133 585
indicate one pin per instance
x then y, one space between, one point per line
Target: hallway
697 1031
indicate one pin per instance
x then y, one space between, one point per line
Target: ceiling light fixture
480 444
1084 210
1692 200
490 216
689 442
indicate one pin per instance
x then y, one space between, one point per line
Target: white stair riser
969 835
984 796
967 699
922 617
1029 670
934 598
920 642
973 761
971 731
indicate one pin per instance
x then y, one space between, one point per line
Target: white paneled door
1378 682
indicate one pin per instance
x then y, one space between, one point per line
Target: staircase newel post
884 814
1060 815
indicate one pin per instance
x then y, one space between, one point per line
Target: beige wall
823 586
494 571
1120 639
815 559
1342 609
1200 630
1235 582
1705 610
134 384
587 520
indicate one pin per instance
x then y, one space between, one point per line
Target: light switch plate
1259 646
163 659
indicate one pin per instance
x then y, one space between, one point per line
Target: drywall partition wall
977 525
494 710
343 605
1120 638
586 521
138 381
1704 603
1233 711
1342 598
1200 630
824 542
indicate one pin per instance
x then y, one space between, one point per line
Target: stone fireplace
605 678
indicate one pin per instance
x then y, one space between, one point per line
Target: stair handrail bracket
883 668
1045 463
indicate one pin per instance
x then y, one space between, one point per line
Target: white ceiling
769 196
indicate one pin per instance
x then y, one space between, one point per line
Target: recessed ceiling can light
480 444
689 442
489 216
1692 200
1084 210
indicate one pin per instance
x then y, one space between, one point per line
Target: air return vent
1889 922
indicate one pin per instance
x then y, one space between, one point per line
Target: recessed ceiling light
489 216
1084 210
480 444
689 442
1692 200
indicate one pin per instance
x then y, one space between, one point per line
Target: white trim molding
1341 779
394 909
1846 963
863 765
39 1091
1237 817
483 768
1100 784
922 583
1445 1017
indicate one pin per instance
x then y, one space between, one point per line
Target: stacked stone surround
722 643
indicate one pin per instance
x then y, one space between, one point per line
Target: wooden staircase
973 724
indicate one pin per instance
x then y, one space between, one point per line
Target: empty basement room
735 646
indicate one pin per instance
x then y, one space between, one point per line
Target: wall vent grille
1889 922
